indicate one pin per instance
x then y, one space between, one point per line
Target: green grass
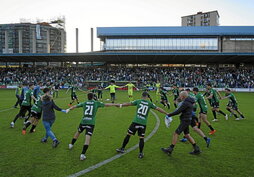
231 152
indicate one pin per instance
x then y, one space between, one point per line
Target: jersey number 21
89 110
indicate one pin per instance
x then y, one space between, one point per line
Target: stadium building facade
31 38
160 45
222 39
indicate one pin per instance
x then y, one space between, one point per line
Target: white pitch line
91 168
6 109
13 108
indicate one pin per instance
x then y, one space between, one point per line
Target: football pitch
230 154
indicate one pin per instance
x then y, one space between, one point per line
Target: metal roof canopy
103 32
128 57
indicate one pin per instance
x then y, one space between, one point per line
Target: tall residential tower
202 19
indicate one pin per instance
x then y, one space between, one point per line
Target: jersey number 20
142 109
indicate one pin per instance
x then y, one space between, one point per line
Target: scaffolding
28 37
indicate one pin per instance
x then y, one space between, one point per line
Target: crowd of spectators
183 77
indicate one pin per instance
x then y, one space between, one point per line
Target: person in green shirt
139 121
175 92
215 103
207 94
164 99
112 90
203 109
18 95
232 105
25 105
87 122
36 112
74 97
158 86
130 87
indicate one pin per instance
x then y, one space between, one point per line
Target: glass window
163 44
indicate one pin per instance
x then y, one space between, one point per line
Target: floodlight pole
76 40
77 44
91 43
91 39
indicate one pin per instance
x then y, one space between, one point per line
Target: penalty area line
93 167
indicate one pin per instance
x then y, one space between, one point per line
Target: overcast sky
84 14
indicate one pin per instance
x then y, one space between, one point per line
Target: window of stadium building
162 44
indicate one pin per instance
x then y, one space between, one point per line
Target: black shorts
23 110
36 115
183 127
233 106
137 127
194 121
74 97
215 104
89 129
113 95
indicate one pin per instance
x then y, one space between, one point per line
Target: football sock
222 113
141 144
125 141
242 116
232 112
211 128
27 124
16 118
214 114
26 119
85 147
168 105
32 128
73 141
194 145
175 105
172 146
205 138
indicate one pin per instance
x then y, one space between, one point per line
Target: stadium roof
130 57
103 32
